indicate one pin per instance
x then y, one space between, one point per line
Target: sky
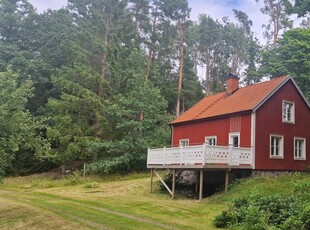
218 9
215 8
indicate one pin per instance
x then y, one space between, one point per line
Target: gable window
184 142
299 148
288 112
211 140
276 146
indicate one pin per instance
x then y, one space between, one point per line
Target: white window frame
231 136
281 147
303 153
183 140
207 138
284 112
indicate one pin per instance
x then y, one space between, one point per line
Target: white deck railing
199 155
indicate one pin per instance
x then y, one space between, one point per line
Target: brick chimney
232 83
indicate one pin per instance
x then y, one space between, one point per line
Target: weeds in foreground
281 211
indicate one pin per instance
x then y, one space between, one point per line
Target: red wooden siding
221 127
269 121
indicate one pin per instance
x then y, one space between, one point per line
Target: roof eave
212 118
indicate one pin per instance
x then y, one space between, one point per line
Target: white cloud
42 5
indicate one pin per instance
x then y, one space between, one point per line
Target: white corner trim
171 144
253 132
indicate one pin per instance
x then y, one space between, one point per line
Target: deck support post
201 185
152 175
173 184
196 181
226 180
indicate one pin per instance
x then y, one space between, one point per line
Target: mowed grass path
123 203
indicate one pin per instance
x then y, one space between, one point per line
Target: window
288 112
299 148
210 140
184 142
234 139
276 146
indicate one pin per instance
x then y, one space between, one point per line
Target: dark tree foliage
291 56
99 80
299 7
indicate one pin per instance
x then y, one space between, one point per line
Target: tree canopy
99 80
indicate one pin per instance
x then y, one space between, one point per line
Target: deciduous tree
19 131
292 56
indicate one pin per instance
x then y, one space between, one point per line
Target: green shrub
223 220
259 212
75 178
1 174
91 185
302 189
300 221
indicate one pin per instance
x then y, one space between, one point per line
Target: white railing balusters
181 155
165 155
204 153
200 155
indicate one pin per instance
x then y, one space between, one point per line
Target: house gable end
278 88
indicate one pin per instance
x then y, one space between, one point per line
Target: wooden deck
200 157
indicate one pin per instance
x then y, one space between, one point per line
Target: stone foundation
269 173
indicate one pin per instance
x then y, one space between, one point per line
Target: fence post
84 170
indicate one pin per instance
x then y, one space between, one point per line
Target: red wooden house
265 126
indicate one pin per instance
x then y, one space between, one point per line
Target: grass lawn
117 202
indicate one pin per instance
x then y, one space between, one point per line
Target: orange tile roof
244 99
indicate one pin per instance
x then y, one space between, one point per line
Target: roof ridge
210 105
244 99
259 83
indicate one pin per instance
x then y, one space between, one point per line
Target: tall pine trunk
149 62
208 74
103 70
180 69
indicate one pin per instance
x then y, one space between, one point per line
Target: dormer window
288 112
